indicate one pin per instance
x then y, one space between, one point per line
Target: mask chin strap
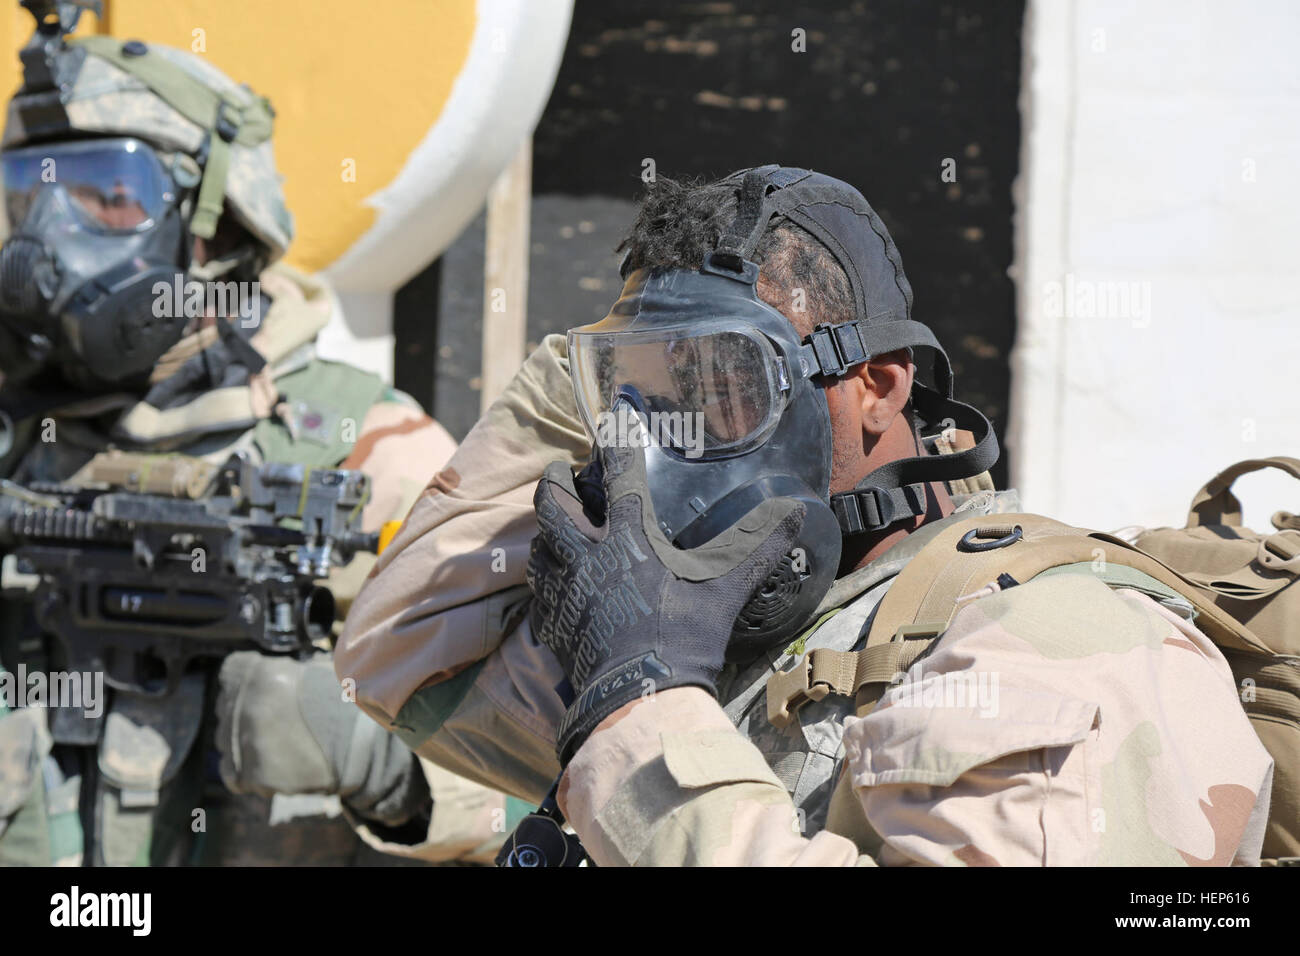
896 491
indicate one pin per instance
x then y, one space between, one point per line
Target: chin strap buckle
872 508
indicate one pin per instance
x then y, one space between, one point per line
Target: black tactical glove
625 612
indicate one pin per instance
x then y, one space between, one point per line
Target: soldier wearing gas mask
804 630
135 175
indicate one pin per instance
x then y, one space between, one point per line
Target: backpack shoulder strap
961 562
967 557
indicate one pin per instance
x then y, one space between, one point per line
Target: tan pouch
1252 576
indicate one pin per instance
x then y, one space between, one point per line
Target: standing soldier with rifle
176 457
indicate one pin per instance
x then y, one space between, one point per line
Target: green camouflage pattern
151 781
105 99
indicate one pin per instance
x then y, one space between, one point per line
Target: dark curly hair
679 222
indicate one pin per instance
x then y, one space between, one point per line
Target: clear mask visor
113 185
707 395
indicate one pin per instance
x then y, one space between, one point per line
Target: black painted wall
884 92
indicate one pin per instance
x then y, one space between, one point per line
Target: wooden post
505 276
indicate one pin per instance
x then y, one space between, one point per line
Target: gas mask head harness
104 207
732 399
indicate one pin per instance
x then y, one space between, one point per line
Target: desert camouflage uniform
1115 736
330 415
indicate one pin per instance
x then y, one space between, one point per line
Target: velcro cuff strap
710 758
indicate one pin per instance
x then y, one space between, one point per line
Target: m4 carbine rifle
158 560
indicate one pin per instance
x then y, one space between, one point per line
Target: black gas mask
96 244
732 400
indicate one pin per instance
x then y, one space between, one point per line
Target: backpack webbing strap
928 588
923 600
226 120
823 671
1247 583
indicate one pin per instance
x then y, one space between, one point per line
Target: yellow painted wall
349 79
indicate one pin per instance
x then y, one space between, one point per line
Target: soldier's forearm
672 783
495 721
424 614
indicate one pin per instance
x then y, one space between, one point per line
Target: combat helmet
207 125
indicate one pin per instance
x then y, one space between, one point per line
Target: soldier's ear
883 387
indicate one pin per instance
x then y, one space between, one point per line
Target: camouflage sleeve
1057 723
449 590
673 783
399 446
1060 722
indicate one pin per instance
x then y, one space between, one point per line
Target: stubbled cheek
846 440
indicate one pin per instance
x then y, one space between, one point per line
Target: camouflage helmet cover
108 100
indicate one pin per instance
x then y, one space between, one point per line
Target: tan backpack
1252 577
974 551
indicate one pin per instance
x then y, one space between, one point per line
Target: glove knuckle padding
633 609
